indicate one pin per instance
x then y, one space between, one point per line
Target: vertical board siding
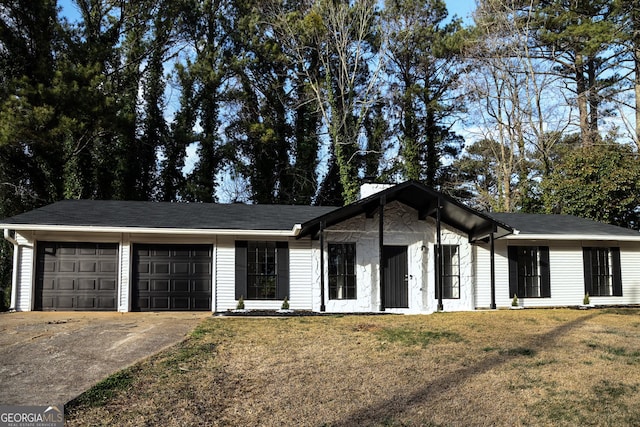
300 275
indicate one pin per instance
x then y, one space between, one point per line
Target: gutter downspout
14 272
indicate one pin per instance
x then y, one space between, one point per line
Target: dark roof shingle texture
560 225
115 213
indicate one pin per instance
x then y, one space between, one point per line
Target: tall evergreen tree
424 67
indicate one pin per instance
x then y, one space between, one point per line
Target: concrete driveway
50 358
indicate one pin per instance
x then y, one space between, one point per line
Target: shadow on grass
392 408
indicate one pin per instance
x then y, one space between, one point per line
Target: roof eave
149 230
609 237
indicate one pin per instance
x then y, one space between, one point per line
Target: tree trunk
581 90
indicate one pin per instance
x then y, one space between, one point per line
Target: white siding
482 267
630 268
124 282
566 275
24 277
300 282
225 296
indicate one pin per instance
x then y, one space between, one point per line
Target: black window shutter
283 270
586 259
545 273
513 270
617 272
241 268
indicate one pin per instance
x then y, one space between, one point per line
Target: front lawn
525 367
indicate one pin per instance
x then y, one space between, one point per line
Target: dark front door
396 291
172 277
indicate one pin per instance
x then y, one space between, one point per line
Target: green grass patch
105 390
411 337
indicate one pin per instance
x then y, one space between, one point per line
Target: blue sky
462 8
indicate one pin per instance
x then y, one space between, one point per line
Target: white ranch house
401 248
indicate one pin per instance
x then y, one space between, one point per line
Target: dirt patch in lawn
529 367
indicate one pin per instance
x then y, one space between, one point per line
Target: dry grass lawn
508 368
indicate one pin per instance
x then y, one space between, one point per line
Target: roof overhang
586 237
425 201
145 230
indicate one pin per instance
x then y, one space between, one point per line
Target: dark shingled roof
560 225
114 213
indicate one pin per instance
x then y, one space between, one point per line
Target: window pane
528 272
601 278
342 277
262 270
450 272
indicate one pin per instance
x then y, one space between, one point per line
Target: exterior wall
225 295
300 266
566 272
26 270
466 301
401 228
223 283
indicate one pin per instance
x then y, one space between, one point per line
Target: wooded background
531 107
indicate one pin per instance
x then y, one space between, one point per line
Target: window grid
528 272
262 270
601 277
342 271
451 272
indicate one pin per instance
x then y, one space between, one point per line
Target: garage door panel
49 266
201 304
76 276
159 286
161 268
85 250
87 267
202 268
107 285
86 284
180 268
67 266
62 303
181 286
160 303
63 284
108 267
105 303
179 277
201 285
181 303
